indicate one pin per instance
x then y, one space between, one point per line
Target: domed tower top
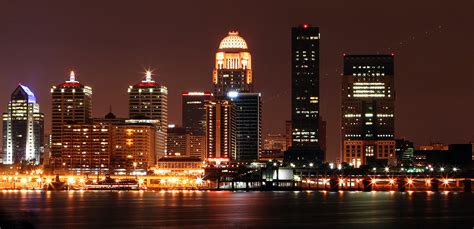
233 41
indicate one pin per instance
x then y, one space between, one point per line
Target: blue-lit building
23 128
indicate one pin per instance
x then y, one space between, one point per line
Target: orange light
428 181
391 181
410 181
374 181
445 181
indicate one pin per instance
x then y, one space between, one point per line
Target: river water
224 209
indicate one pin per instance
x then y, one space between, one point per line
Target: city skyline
419 72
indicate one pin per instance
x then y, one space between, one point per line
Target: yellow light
410 181
445 181
39 180
71 180
48 180
199 180
23 180
341 181
81 180
140 181
392 181
374 181
428 181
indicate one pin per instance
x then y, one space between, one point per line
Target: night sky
109 43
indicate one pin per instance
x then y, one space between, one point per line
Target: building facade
246 119
23 128
194 112
132 148
233 66
368 109
148 101
71 104
86 148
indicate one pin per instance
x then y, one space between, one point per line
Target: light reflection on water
234 209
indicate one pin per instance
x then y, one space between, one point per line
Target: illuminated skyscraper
71 103
305 134
368 107
23 136
233 67
194 112
305 86
148 103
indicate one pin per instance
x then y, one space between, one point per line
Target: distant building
71 104
178 141
368 109
148 103
233 66
434 146
23 128
404 151
275 142
218 133
458 155
246 133
194 112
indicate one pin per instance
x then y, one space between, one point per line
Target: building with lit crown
368 109
23 128
148 103
233 66
71 103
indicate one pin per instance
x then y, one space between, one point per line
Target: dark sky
109 43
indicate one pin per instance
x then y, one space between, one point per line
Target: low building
456 155
179 166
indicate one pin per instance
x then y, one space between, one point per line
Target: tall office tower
305 134
219 127
246 121
132 148
86 148
148 103
305 86
71 103
194 112
368 107
23 137
233 67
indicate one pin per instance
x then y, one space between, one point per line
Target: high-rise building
233 66
246 119
218 133
71 103
85 148
368 109
305 86
305 134
194 112
23 128
148 103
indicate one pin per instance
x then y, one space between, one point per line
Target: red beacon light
305 26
